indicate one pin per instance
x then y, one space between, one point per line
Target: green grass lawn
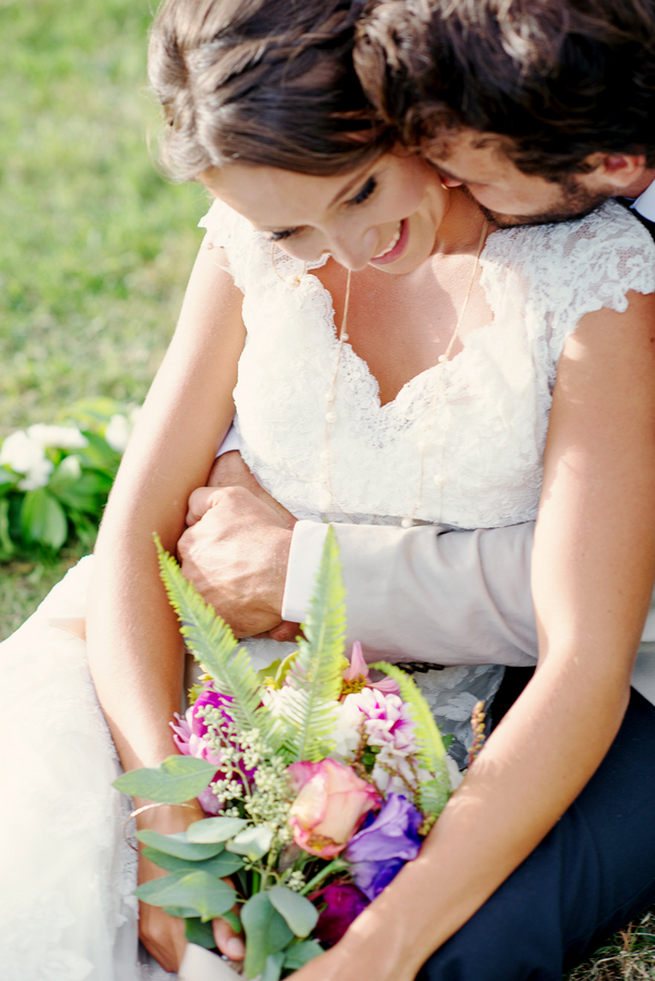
94 253
95 244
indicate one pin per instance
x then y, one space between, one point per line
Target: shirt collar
645 203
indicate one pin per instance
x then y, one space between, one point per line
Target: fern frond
433 793
315 674
214 646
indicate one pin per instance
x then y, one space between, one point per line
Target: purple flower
343 903
189 734
380 849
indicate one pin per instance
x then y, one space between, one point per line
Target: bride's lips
397 249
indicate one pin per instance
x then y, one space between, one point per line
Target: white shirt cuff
230 442
304 561
645 203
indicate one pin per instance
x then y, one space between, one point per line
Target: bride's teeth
392 244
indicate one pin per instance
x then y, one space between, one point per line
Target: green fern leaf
433 793
214 646
315 674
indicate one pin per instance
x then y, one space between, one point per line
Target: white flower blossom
71 467
119 429
62 437
117 432
26 455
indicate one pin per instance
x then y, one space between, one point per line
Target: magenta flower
343 903
378 852
189 735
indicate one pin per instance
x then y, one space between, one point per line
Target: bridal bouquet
319 784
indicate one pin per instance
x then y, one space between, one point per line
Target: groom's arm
436 595
421 593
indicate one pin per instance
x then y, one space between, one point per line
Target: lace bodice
482 423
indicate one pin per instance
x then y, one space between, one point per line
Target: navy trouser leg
593 872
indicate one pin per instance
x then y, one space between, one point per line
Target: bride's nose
352 249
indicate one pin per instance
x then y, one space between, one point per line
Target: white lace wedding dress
66 910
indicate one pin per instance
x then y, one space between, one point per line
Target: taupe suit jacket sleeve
449 597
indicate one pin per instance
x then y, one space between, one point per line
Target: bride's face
385 214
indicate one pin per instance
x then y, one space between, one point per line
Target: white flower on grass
118 431
26 455
62 437
71 467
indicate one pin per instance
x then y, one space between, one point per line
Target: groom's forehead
472 156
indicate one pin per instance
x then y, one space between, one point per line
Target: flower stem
337 865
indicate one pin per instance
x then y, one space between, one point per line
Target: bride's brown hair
264 82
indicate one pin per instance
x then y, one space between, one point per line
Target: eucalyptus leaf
179 845
266 932
176 780
273 967
220 865
216 829
299 913
298 954
199 933
206 895
182 912
252 841
233 920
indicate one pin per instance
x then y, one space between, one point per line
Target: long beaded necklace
329 500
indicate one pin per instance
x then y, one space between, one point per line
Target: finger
227 941
200 501
285 631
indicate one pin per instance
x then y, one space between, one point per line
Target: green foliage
213 645
299 913
266 930
434 793
197 893
92 265
55 479
315 674
176 780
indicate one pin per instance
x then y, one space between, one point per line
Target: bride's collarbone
400 326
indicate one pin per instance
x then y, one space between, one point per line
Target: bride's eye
279 236
365 191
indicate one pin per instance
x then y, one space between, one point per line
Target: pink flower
357 676
331 803
189 735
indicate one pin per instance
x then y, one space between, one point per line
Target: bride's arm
134 647
592 575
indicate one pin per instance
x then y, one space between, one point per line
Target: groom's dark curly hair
554 81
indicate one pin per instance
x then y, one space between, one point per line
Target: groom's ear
618 170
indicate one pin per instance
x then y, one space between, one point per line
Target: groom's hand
236 551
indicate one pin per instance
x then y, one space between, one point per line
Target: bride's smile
388 213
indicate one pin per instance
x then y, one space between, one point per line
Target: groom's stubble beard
574 201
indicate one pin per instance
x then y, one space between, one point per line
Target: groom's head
543 108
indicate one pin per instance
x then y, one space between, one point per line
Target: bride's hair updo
264 82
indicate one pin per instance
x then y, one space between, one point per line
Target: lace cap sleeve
248 255
240 249
601 258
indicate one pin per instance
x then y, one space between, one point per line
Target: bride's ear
621 170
